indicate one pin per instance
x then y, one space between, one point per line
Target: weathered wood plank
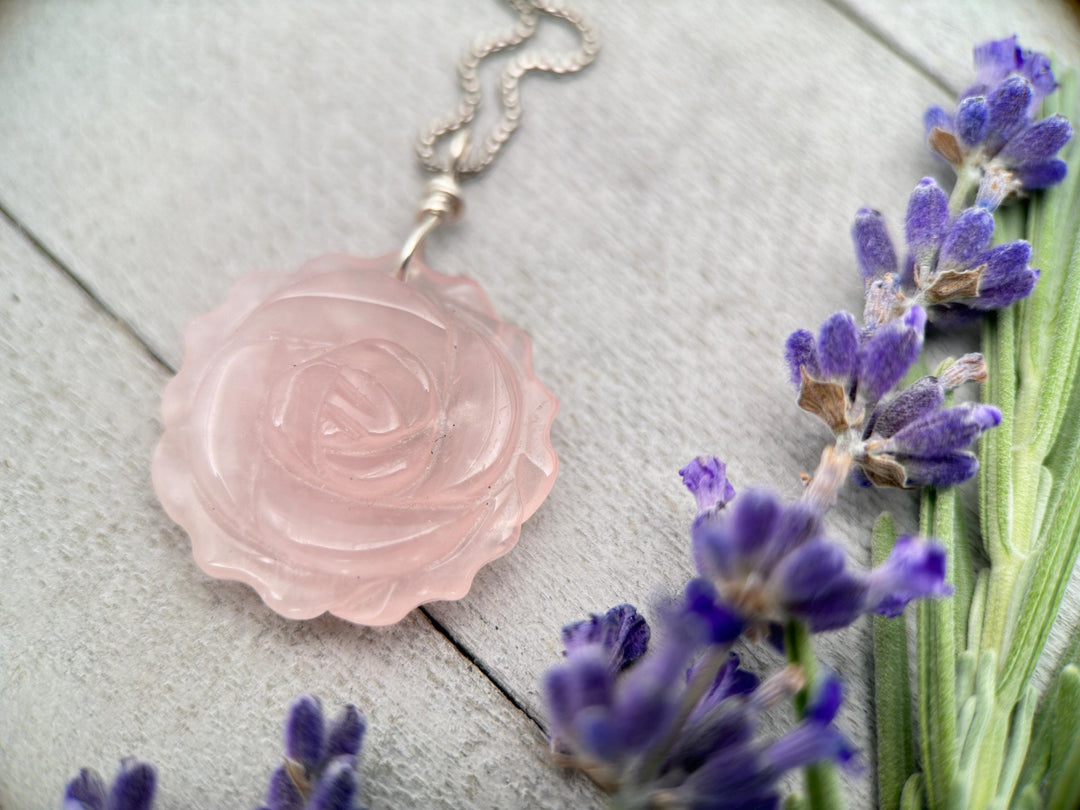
659 225
940 35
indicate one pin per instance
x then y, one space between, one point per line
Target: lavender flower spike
993 131
768 562
320 761
847 370
132 789
951 268
912 440
676 730
746 773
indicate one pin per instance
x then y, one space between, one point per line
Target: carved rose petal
346 442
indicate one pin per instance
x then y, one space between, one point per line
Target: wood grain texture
929 31
658 225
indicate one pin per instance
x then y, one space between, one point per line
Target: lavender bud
889 353
1041 175
134 786
283 794
622 632
87 791
706 478
336 787
594 729
1007 277
873 247
944 471
800 351
972 120
346 735
305 732
1008 106
838 346
927 219
1038 143
915 569
969 235
815 585
943 431
918 399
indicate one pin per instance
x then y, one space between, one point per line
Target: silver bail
441 203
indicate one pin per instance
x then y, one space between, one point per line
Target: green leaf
1065 792
1028 798
977 610
980 709
1064 723
1049 577
914 796
962 574
1051 215
937 660
1016 746
995 468
892 689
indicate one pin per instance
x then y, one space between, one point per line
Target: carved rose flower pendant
344 441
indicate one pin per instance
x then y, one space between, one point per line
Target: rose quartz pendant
344 441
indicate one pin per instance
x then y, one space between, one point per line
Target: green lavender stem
892 692
937 660
822 784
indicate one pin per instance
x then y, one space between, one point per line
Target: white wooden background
658 225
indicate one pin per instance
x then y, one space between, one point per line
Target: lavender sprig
992 139
770 563
319 772
767 569
676 726
133 788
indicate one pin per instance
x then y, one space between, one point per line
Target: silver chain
475 160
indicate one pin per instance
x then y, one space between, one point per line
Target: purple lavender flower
622 631
846 370
602 713
668 727
769 563
996 60
951 268
132 789
912 440
706 477
589 727
744 771
993 130
320 763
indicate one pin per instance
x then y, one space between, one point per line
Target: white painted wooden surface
659 225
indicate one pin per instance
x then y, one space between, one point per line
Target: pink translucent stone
344 441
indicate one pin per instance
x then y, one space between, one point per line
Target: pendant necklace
361 436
